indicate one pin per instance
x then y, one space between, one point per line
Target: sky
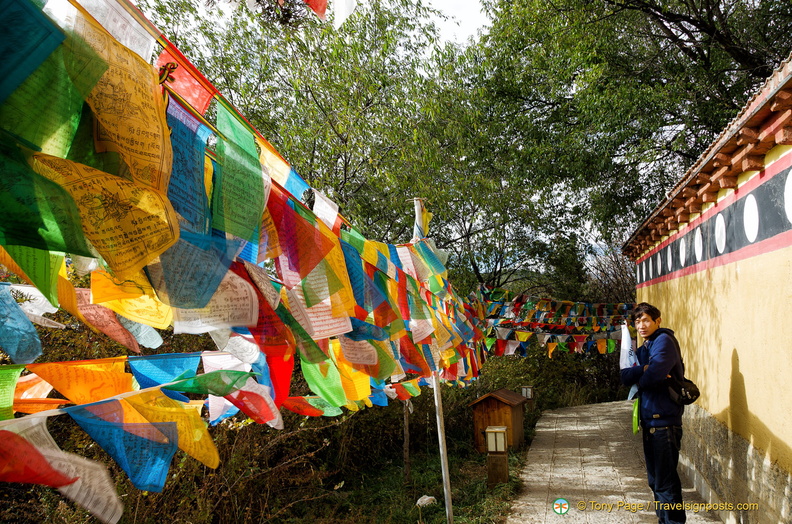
468 18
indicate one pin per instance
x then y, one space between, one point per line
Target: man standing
661 417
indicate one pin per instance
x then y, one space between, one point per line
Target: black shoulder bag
685 391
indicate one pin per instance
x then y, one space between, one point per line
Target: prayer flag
324 380
219 383
129 225
255 401
133 298
193 439
188 273
142 449
155 370
8 380
301 406
18 336
38 267
186 189
20 461
127 104
240 191
105 321
185 79
93 490
38 213
235 303
85 381
29 38
355 383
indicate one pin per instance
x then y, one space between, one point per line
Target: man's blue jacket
660 353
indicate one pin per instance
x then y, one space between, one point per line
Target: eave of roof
711 172
506 396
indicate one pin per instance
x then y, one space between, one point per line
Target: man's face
645 325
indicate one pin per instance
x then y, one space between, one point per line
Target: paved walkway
589 456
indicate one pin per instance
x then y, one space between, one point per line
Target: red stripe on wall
769 245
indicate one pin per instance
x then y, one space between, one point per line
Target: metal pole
406 448
443 451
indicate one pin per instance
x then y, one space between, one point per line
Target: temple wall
723 283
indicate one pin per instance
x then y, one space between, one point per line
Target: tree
615 98
376 114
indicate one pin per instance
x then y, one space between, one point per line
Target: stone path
589 456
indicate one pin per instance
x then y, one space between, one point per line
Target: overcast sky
468 18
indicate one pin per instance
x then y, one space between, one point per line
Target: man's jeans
661 450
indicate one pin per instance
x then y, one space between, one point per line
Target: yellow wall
734 324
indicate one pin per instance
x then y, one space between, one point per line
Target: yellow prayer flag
370 252
272 163
441 333
67 296
602 346
133 298
8 262
356 384
129 108
129 225
194 439
523 336
342 299
208 176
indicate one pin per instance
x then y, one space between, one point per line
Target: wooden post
497 469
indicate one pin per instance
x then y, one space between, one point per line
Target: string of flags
108 174
508 321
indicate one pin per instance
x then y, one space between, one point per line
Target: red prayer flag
302 407
500 347
253 400
20 461
401 392
281 369
187 81
413 356
319 7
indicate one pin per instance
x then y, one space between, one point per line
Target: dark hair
644 307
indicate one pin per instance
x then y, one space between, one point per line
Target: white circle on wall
682 253
659 264
720 232
649 267
638 272
788 196
698 245
670 258
751 217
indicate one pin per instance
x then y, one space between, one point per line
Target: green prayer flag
354 238
327 409
41 267
324 380
8 379
44 111
37 212
219 383
411 388
238 198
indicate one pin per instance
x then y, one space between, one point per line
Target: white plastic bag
628 356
